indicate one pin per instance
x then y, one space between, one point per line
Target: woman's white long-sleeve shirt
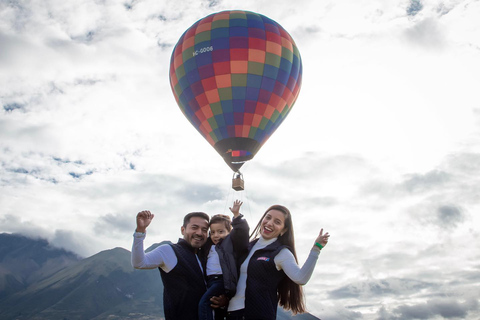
284 260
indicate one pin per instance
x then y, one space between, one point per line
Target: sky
381 149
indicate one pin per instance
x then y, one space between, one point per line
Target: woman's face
273 224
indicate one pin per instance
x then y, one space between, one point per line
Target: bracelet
319 245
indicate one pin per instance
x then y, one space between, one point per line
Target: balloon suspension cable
237 181
247 205
228 202
233 195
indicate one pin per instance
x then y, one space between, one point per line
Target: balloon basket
237 182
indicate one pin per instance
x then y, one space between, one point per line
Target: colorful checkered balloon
235 76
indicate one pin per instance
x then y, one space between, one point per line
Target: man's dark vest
184 285
261 298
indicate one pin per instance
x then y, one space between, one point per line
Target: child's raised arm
236 208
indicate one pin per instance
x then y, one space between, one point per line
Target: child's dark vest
184 285
229 249
261 298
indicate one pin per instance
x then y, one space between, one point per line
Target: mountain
41 282
24 261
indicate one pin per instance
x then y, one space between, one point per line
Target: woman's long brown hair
290 294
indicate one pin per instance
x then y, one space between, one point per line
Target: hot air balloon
236 75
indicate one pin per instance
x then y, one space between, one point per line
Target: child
223 247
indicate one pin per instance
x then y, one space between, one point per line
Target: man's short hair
203 215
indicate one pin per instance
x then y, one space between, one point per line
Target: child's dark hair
219 218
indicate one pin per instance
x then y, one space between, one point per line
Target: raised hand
322 238
143 220
236 208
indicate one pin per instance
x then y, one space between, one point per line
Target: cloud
394 298
339 312
316 169
438 197
463 163
446 308
438 213
16 224
9 107
379 288
426 33
104 206
414 7
450 216
32 165
114 224
73 241
425 182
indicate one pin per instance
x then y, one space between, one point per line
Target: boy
223 247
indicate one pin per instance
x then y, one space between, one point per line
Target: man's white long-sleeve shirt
161 257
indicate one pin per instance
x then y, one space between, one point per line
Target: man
181 265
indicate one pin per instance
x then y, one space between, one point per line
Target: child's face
218 231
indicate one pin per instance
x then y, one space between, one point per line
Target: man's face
195 233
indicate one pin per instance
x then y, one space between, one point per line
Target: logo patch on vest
263 259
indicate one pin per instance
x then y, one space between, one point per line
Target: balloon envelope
235 76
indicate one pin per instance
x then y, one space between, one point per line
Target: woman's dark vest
261 297
184 285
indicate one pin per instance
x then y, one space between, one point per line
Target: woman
270 275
